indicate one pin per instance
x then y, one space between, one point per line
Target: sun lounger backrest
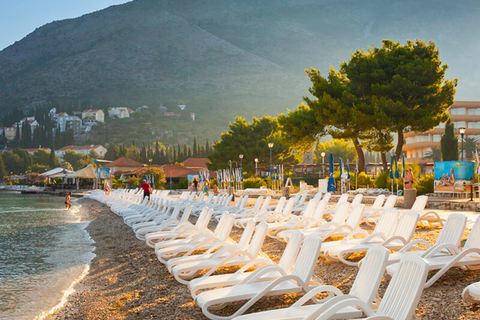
390 202
291 251
257 204
221 223
239 201
302 199
201 217
419 204
307 258
287 210
341 212
209 198
319 209
308 212
186 214
327 197
280 204
404 290
244 202
176 213
192 196
357 199
297 196
265 204
473 240
355 216
258 238
370 274
200 197
317 197
246 235
377 204
343 198
452 231
226 227
386 223
406 225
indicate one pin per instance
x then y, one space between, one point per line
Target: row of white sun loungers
193 253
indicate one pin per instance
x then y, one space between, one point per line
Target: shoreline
126 281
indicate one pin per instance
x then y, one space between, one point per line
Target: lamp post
323 163
270 145
256 162
462 134
241 157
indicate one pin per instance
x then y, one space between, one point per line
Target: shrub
253 183
133 182
425 184
383 180
182 184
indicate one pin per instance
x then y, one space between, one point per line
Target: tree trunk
384 162
398 151
360 155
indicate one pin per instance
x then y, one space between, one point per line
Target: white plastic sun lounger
187 271
452 233
468 258
472 293
373 217
364 288
401 236
399 301
251 291
226 280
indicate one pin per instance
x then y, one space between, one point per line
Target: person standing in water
68 202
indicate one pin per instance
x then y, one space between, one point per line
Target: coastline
126 281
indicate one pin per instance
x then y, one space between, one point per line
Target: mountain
222 57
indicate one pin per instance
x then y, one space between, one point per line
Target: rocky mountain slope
222 57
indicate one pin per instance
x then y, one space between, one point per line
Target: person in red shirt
146 189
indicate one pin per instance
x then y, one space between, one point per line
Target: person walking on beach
146 189
68 202
195 184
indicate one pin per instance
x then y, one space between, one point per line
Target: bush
182 184
253 183
425 184
133 182
383 180
118 183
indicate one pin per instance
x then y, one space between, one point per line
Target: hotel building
463 114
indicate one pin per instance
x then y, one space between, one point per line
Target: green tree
67 165
449 143
339 148
112 152
251 140
74 159
195 147
42 157
434 154
375 94
469 147
53 160
3 171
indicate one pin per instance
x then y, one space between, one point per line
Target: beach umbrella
403 166
391 168
397 174
348 172
331 180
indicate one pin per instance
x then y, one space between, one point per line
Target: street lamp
323 163
241 157
462 134
256 162
270 145
150 161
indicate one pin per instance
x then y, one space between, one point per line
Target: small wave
65 296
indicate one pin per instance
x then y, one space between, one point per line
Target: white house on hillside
93 115
99 149
119 112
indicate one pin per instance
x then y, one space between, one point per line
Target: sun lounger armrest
433 250
414 243
215 242
310 295
226 259
255 262
355 234
200 236
257 274
389 240
327 225
379 318
331 307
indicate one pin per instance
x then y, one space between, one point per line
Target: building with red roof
124 164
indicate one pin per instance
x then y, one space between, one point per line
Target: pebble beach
126 281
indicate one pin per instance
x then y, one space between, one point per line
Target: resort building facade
463 114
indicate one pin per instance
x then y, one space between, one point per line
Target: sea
44 251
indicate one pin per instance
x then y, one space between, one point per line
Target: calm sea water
44 249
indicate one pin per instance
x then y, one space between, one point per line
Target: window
410 140
459 124
474 112
436 138
474 125
457 111
423 138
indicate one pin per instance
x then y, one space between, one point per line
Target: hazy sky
21 17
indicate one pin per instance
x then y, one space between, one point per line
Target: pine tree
195 147
143 154
51 159
2 168
449 143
